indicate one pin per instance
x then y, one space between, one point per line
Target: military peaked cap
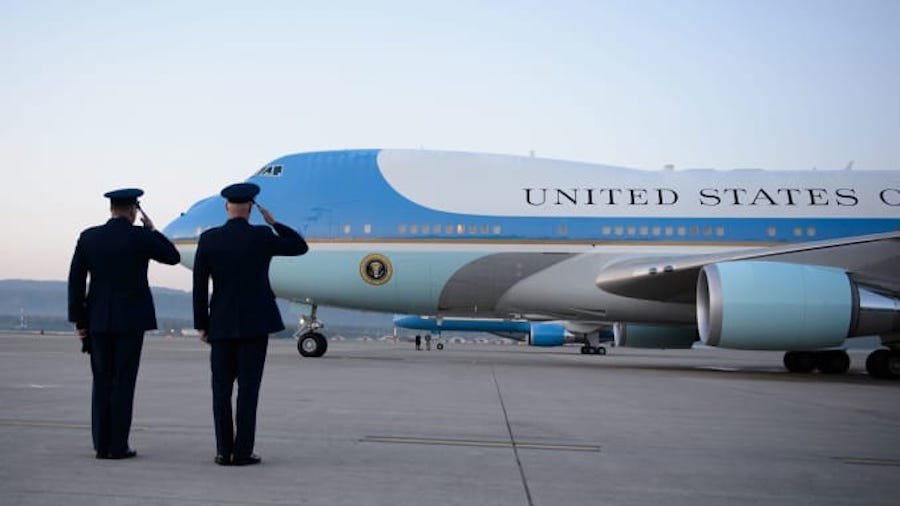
240 193
124 196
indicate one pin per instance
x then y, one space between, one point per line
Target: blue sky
182 98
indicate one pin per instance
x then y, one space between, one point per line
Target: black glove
86 344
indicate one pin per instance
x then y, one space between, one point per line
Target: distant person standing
112 314
237 320
418 342
427 342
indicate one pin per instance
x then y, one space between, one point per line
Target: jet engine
547 334
759 305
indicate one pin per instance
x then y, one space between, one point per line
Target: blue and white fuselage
493 236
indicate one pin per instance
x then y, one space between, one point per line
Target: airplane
544 334
550 334
795 261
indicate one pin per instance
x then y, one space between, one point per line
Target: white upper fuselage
459 233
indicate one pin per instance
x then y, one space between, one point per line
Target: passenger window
367 229
798 231
720 231
347 229
497 229
772 231
413 229
426 229
811 231
606 230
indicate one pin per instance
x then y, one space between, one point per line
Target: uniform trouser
242 360
114 364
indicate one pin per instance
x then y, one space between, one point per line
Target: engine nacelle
633 335
758 305
547 334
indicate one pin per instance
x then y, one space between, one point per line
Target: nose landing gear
310 342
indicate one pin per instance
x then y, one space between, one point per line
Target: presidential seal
375 269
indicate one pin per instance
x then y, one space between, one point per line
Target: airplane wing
869 259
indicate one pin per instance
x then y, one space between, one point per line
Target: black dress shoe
222 460
246 461
102 455
129 453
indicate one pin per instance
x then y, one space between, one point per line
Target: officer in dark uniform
112 314
237 320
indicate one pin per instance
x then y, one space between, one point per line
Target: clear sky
181 98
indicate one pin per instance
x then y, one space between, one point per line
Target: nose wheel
311 342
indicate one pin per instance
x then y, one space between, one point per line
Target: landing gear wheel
587 350
440 346
833 362
799 361
312 344
883 364
600 350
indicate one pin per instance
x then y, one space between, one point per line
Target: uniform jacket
116 256
236 256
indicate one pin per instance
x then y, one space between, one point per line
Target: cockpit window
270 171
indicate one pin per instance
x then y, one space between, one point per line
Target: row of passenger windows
458 229
669 231
607 230
683 231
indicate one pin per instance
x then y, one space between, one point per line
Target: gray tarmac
379 423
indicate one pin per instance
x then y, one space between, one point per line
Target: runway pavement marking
480 443
865 461
512 438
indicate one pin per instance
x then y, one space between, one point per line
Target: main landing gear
827 362
882 363
310 342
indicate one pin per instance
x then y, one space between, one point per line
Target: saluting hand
148 223
266 215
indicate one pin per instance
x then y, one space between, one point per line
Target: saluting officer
237 320
112 314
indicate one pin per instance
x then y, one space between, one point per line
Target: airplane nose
202 215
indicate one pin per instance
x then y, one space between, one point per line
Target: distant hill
45 305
